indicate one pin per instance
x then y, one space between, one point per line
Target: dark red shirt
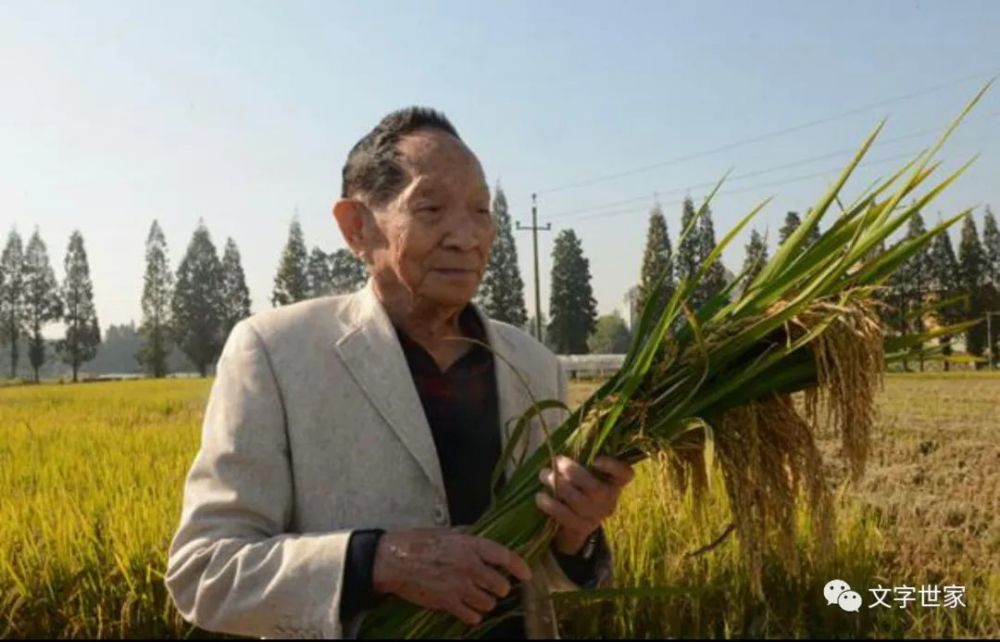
462 409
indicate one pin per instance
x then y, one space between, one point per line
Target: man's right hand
445 570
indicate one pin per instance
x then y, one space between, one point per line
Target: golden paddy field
91 477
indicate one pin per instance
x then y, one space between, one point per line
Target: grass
90 486
90 493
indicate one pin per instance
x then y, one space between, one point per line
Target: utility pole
989 338
534 237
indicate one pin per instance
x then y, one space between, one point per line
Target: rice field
90 490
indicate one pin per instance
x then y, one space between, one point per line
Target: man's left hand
580 501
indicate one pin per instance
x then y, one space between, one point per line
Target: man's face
434 238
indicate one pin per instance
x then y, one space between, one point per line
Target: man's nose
466 233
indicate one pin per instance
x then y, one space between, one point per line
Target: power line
830 172
762 137
751 188
801 161
599 210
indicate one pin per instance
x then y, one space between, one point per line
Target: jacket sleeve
232 566
559 581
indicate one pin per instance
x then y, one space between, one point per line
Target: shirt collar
468 321
471 326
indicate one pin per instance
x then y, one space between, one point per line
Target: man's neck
429 324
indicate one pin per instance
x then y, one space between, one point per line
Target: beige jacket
314 428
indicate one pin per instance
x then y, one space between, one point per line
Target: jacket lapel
512 398
372 353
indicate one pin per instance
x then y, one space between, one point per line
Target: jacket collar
372 353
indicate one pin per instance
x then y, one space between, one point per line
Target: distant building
585 366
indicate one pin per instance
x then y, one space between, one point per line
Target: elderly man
346 437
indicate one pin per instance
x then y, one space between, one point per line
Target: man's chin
451 296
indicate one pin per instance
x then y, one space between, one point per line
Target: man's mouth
454 271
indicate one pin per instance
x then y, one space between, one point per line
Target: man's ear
352 218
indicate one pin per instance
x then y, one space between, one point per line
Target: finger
501 556
619 472
589 507
561 513
478 599
548 477
489 579
577 474
467 615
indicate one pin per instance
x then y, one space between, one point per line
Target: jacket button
439 515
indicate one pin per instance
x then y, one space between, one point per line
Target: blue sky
116 113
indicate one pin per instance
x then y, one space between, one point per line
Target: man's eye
429 208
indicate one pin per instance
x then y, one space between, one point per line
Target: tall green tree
881 297
83 334
42 298
657 275
157 293
571 305
991 243
756 257
13 299
235 294
692 251
197 303
944 283
291 284
319 280
610 336
908 288
501 293
348 273
792 223
714 280
814 233
686 263
972 280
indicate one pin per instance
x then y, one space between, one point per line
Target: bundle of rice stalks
715 384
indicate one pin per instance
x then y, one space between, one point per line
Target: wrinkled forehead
437 160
